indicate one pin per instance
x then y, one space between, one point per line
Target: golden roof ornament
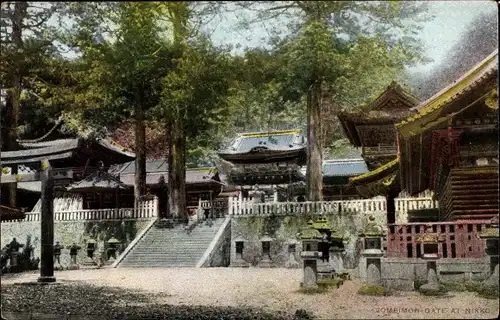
372 229
491 232
430 237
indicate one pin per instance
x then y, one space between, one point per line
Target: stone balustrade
147 210
238 206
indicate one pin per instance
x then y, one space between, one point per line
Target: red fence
461 240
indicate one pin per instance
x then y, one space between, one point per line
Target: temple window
266 247
239 247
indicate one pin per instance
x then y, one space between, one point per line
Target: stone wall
67 232
284 229
220 256
401 274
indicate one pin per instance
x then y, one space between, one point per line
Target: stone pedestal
238 262
432 279
14 260
373 266
310 273
292 262
337 259
73 265
491 235
265 262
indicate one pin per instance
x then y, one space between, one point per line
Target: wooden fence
460 239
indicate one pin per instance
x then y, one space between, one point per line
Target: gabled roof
283 140
152 166
156 169
98 180
344 167
9 213
390 106
60 149
381 172
433 108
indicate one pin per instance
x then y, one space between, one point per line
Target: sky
439 35
452 18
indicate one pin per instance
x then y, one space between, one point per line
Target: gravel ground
221 293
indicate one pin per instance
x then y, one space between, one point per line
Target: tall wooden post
47 224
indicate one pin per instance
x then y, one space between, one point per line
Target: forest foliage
150 67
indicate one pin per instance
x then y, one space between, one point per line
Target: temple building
271 160
201 183
450 147
72 159
372 129
371 126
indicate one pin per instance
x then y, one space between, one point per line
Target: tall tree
194 92
340 50
121 76
24 35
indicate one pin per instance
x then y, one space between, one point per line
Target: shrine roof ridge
474 77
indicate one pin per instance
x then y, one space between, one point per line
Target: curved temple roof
481 73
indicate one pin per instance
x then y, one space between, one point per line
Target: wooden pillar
47 224
211 204
391 208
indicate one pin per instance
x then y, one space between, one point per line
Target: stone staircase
171 247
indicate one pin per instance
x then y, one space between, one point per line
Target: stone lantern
370 265
237 256
491 235
113 244
14 254
292 251
266 241
91 247
73 252
310 237
431 240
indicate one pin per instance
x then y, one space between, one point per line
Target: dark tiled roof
152 166
154 178
155 169
8 213
344 168
276 141
102 142
44 144
151 178
61 149
113 146
98 180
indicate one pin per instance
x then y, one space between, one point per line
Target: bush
454 286
432 292
488 292
302 314
327 283
313 290
374 290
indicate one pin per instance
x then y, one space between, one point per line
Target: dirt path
276 290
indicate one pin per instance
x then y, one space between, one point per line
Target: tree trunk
314 175
140 154
13 100
177 171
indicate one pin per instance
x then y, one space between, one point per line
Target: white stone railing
147 210
403 205
238 206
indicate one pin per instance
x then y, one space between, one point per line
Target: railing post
230 206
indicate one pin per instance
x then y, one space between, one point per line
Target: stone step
163 248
